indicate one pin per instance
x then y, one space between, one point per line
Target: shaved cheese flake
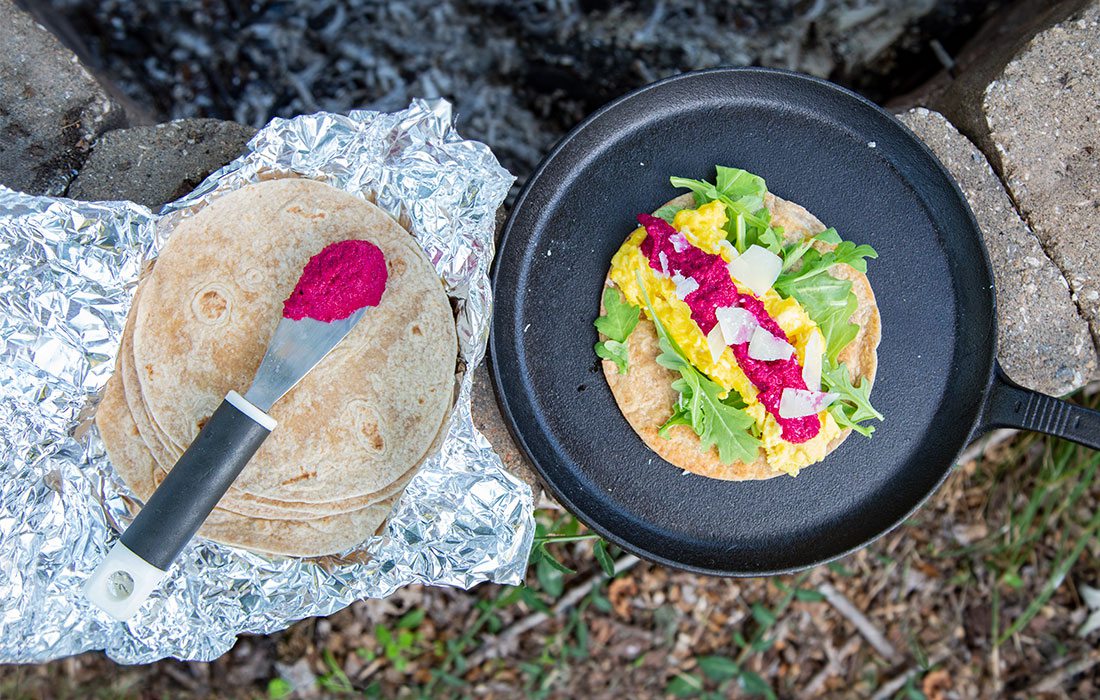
679 242
765 346
737 324
716 343
796 403
728 247
684 285
757 268
663 260
811 365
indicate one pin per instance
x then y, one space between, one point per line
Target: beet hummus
343 278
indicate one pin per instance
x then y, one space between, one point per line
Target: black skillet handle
1009 405
179 506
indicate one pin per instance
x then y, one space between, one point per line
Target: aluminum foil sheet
67 274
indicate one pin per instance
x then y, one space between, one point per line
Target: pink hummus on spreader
716 289
343 278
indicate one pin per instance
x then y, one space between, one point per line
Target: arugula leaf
853 406
749 221
854 255
742 185
830 302
834 376
679 416
734 400
841 413
615 351
668 212
706 192
620 316
716 422
815 263
723 426
772 239
794 252
617 324
737 232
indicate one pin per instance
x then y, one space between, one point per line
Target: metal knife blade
295 349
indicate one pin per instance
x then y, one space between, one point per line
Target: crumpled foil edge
67 274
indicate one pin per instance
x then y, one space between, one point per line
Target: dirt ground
980 595
983 594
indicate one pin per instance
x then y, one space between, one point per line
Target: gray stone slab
958 94
1044 342
1042 113
152 165
489 421
51 108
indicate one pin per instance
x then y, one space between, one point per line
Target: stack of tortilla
350 435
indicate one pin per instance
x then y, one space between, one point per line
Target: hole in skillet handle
1009 405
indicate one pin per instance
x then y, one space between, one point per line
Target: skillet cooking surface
854 167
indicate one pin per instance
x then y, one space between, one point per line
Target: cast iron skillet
856 168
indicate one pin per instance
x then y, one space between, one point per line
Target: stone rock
520 74
488 419
152 165
51 108
1042 114
957 94
1044 342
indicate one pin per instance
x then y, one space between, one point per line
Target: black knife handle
200 478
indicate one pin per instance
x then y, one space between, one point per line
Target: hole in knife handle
120 585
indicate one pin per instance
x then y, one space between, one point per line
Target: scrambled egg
703 229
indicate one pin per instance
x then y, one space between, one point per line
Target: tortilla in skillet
645 394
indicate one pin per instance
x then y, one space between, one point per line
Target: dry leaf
936 684
619 593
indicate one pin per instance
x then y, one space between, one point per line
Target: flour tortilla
310 538
645 394
368 413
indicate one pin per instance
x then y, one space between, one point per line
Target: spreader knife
136 564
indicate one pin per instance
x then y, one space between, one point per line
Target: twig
567 601
891 688
369 670
864 626
182 677
997 437
943 57
546 502
834 665
813 688
1053 681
